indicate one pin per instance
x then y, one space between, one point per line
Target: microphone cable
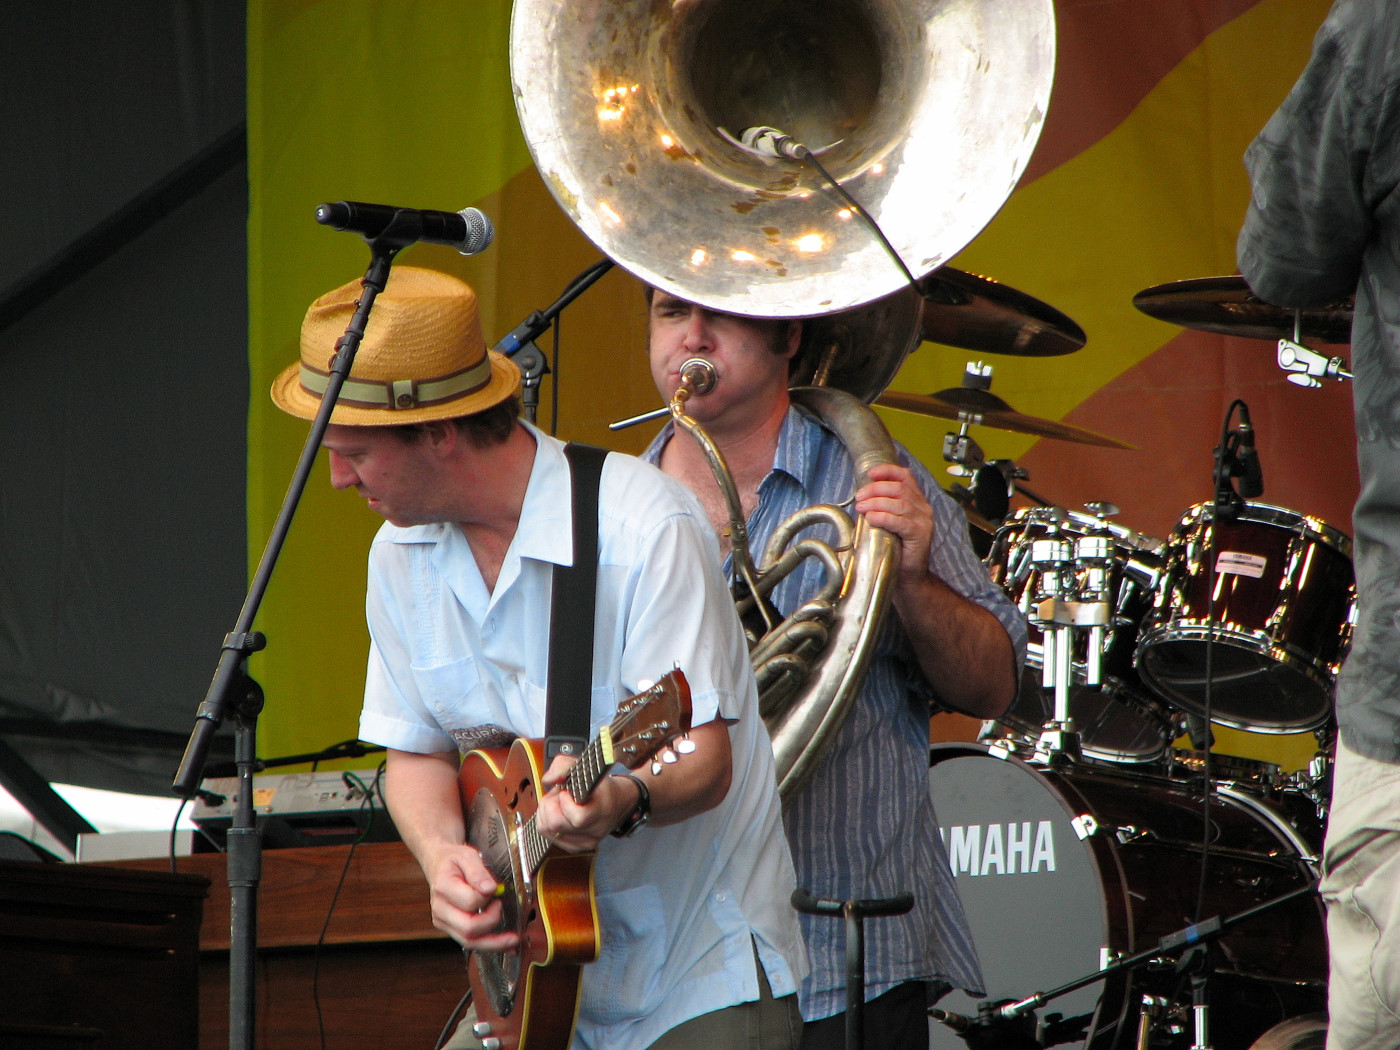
770 142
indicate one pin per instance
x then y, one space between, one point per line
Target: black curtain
123 378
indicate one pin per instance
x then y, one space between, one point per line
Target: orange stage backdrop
1137 180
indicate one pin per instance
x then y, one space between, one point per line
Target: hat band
400 393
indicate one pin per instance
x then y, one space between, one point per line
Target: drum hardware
1113 568
1152 1014
1308 368
854 912
1227 306
1195 942
1072 593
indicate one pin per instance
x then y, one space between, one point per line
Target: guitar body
529 997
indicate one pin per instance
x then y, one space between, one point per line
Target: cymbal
977 313
989 410
1227 306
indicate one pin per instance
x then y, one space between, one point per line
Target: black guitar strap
566 720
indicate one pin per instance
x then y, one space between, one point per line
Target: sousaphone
925 111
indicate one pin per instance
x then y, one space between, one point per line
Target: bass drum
1061 872
1120 721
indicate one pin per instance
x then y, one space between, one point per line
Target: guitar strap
566 719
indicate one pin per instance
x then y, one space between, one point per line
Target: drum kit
1153 882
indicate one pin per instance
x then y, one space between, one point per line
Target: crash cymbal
985 408
977 313
1227 306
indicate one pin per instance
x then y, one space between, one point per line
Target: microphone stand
1189 939
233 692
344 749
520 343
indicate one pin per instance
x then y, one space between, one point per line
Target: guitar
527 998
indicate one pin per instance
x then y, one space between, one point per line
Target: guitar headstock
647 722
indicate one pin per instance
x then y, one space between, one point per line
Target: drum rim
1254 513
1252 641
1276 821
1128 538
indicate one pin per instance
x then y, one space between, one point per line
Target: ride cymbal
1227 306
977 313
985 408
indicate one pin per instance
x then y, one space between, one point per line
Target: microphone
992 1028
468 230
770 142
1251 474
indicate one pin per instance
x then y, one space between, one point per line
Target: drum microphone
1251 473
468 230
991 1029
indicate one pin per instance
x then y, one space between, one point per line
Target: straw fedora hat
422 356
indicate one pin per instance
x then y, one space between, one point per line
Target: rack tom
1264 603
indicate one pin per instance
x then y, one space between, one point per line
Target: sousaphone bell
925 111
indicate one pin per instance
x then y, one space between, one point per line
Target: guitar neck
582 778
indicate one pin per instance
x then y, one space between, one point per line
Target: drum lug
1086 825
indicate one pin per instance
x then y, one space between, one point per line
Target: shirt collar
797 443
546 529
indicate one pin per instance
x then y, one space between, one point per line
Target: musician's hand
464 901
893 501
578 828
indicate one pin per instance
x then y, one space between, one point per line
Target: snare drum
1283 597
1121 721
1062 872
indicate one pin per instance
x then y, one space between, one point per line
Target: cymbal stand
1307 367
963 453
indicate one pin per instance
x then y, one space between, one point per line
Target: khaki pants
1361 885
767 1024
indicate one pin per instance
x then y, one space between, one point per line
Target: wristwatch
640 812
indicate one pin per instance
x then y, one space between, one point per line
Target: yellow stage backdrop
1137 181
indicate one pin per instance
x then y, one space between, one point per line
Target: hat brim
291 397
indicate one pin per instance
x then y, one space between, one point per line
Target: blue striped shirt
865 826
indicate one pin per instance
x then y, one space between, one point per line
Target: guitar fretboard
582 778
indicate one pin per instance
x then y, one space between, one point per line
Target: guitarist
700 947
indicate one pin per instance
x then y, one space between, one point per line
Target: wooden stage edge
382 977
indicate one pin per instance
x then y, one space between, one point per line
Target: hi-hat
985 408
1227 306
977 313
